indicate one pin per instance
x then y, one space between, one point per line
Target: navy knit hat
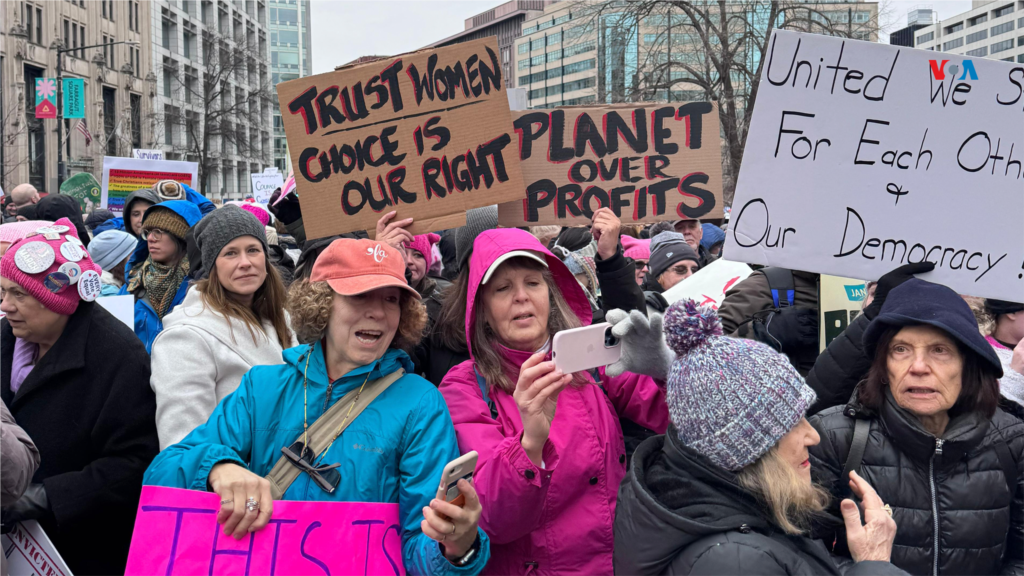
919 302
730 399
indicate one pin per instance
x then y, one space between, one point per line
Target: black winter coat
840 367
952 490
678 513
89 409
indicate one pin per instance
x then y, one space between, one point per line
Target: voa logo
940 68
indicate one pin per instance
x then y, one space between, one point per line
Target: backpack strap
482 383
780 281
861 428
1007 462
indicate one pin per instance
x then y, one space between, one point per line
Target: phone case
584 348
462 467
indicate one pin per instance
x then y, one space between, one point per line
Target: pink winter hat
53 266
262 215
15 231
423 242
636 249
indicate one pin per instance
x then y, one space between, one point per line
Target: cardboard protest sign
84 188
29 552
428 134
176 532
709 284
122 176
862 157
647 163
264 184
840 300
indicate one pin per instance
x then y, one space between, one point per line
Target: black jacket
980 524
89 409
680 514
840 367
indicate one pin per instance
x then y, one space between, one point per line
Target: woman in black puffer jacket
938 450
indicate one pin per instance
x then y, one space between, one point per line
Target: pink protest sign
176 532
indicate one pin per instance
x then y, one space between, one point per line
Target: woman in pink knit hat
76 380
14 231
640 252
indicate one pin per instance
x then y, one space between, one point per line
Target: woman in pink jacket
547 481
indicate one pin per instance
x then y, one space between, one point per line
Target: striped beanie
730 399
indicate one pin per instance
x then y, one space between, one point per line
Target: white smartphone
462 468
584 348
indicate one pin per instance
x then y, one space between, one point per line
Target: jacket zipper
327 398
935 507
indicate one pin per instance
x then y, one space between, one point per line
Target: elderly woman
231 320
362 313
547 481
924 429
75 379
728 489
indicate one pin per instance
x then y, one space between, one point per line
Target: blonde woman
231 320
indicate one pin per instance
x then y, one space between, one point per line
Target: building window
977 20
1001 29
523 48
954 28
537 60
108 51
978 52
110 119
563 18
1008 9
524 64
925 38
529 30
32 18
981 35
108 9
947 46
1001 46
578 49
554 38
135 104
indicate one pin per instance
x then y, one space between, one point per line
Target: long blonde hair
268 303
792 502
489 362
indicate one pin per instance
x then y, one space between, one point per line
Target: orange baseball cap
354 267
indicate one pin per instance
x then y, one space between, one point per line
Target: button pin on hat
73 271
89 285
71 251
56 282
34 257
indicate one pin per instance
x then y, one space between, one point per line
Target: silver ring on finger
251 504
226 502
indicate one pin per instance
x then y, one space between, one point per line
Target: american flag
81 127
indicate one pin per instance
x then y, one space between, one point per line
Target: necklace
305 403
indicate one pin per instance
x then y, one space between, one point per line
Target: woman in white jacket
230 321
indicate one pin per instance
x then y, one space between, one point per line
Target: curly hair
310 303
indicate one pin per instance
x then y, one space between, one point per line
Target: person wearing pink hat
14 231
639 251
76 380
357 314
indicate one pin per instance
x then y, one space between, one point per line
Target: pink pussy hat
54 267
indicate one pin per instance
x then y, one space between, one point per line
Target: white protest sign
264 184
862 157
144 154
122 176
122 308
709 284
29 552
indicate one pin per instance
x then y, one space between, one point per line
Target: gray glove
643 345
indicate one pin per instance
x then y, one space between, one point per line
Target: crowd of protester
263 366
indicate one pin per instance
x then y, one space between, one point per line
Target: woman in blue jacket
158 271
359 314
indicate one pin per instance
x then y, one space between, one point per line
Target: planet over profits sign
862 157
427 134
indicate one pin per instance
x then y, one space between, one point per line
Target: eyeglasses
683 269
640 264
157 233
326 476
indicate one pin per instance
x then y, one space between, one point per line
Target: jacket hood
675 497
392 360
187 210
491 244
56 206
146 194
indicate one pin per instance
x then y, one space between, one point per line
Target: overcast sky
344 30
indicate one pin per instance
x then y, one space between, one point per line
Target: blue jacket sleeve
205 206
226 437
112 224
428 444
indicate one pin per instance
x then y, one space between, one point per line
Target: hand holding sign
606 232
235 485
394 233
453 526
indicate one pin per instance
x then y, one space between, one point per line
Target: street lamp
60 104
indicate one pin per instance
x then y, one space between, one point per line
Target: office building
213 91
916 19
991 29
117 86
291 57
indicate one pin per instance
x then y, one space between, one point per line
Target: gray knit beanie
477 220
220 227
667 248
729 399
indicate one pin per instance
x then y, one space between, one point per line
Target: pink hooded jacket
555 520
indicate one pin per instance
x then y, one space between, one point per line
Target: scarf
161 282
